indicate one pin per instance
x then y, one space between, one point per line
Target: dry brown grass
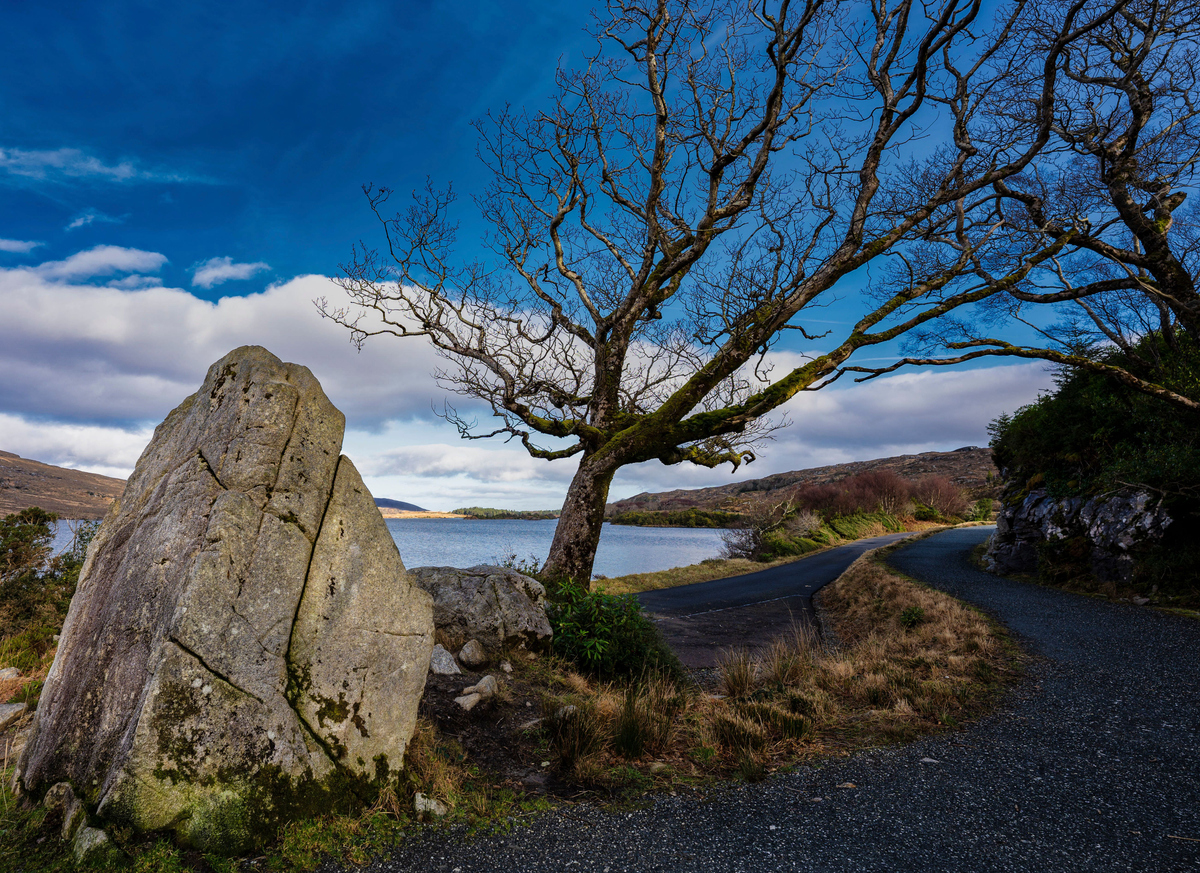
911 661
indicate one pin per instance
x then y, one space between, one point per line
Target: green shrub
607 635
982 510
912 616
921 512
1093 434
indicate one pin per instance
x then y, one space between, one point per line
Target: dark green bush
607 635
1094 434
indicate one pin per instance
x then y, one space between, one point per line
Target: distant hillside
70 493
968 467
388 503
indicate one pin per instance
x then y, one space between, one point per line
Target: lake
433 542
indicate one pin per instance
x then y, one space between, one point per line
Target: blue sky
179 179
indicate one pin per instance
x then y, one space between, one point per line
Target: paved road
1093 764
702 621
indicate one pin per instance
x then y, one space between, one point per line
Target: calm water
448 542
426 542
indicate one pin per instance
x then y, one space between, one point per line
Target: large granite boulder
497 606
245 643
1113 528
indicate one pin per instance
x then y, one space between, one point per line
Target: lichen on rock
244 641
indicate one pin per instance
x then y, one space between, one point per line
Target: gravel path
1092 764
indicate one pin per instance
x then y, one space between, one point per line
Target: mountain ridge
968 467
69 493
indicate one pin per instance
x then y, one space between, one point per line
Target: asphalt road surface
1091 764
704 620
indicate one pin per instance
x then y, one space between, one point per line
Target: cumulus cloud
18 246
214 271
68 164
116 354
903 414
110 451
89 369
102 261
475 462
91 216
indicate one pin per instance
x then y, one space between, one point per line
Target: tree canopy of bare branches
712 176
1097 223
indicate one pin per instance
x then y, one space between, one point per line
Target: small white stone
87 842
206 690
485 687
468 701
426 807
506 666
9 713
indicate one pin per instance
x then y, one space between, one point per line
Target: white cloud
475 462
102 261
18 246
74 164
110 451
91 216
907 413
214 271
113 355
88 371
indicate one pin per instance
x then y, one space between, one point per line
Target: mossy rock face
244 642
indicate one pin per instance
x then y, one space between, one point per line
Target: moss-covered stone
245 645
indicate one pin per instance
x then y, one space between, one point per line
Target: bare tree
715 173
1099 216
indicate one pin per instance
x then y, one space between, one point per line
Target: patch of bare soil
500 735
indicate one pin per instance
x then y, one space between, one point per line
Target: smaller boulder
497 606
9 673
442 663
473 654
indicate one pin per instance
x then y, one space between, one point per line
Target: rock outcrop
497 606
1114 529
244 643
